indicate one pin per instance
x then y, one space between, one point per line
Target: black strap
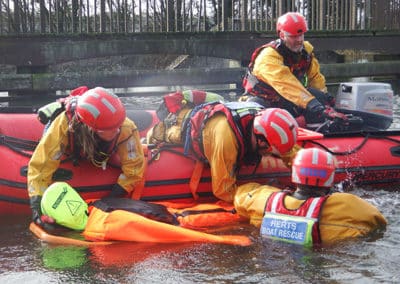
149 210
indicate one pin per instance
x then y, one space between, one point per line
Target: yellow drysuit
221 150
343 215
51 148
269 67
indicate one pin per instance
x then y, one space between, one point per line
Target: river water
375 259
25 259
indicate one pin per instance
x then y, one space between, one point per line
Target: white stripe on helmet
90 108
282 134
314 157
108 105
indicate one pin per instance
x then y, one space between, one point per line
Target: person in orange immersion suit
311 214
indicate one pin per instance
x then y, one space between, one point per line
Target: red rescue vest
297 63
311 208
240 117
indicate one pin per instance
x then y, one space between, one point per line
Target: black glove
314 112
330 100
317 113
43 221
118 191
325 99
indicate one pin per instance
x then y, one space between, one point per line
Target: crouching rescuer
225 136
90 126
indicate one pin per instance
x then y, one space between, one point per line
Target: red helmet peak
100 109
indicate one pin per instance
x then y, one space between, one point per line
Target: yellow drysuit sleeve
346 215
46 158
269 67
221 151
250 200
316 79
130 152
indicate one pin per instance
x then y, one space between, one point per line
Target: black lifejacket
149 210
298 63
240 116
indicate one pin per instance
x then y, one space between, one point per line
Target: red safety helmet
100 109
315 167
292 23
278 127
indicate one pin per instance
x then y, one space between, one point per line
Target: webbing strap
195 178
137 193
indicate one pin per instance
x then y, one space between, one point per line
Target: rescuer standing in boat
311 214
93 126
229 135
285 73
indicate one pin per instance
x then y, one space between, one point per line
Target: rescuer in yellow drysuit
285 73
310 215
225 135
93 126
236 134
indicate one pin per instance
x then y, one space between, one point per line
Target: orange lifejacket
204 216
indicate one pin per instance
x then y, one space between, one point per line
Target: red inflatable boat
367 157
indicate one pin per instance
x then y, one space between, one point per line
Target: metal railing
136 16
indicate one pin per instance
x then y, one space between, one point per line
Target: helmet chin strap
103 155
254 143
304 192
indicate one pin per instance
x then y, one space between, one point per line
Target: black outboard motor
371 101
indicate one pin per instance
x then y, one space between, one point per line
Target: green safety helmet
61 202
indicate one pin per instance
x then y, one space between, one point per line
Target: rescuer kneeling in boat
94 126
228 135
285 73
311 214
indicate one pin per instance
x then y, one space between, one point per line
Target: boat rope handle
189 212
20 146
357 148
388 138
156 149
344 153
27 144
